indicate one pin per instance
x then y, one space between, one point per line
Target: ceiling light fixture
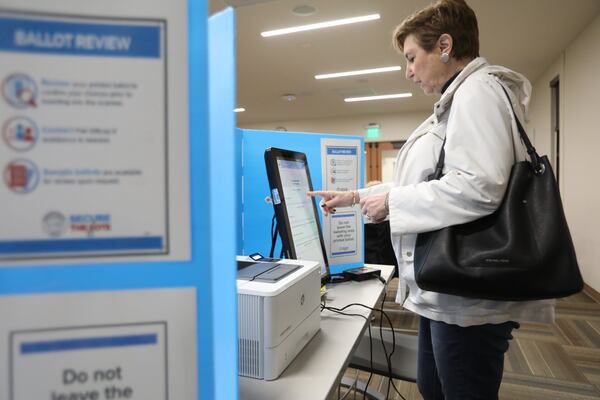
320 25
383 97
238 110
359 72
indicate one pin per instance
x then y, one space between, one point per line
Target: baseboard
591 292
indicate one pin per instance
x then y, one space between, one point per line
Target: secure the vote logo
89 224
21 176
54 223
20 133
20 91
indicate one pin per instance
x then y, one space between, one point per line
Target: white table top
316 371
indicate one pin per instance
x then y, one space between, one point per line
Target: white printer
278 313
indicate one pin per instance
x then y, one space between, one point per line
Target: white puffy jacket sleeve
479 156
381 188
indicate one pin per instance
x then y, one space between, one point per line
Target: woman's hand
374 207
332 199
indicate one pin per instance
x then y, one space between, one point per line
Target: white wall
580 141
581 184
393 126
539 126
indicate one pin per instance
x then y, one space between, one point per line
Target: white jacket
482 144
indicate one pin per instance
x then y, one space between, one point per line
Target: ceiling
526 35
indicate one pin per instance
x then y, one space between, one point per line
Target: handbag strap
538 167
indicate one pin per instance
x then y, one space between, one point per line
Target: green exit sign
373 132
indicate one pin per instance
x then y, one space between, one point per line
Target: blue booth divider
257 213
224 151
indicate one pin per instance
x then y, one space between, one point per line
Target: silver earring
445 58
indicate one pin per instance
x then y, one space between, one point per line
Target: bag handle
538 166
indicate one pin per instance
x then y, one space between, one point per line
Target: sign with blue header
80 357
61 123
347 151
78 36
342 231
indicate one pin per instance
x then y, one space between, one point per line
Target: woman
462 341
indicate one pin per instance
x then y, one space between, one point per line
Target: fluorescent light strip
241 109
320 25
383 97
359 72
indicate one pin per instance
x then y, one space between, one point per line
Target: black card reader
362 273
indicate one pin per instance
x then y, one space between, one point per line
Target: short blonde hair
453 17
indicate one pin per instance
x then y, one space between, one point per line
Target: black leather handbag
523 251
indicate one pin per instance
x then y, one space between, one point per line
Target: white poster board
342 231
112 345
88 131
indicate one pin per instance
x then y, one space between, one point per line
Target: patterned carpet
559 361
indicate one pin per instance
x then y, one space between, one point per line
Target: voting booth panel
224 209
107 255
335 163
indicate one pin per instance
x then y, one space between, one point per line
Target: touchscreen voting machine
297 218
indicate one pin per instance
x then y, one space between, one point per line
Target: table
316 371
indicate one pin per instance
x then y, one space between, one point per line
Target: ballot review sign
84 144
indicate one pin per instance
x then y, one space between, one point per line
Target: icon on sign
20 133
20 91
21 176
54 223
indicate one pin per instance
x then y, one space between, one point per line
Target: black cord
388 357
389 360
273 236
340 311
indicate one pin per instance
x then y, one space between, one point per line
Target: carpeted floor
544 362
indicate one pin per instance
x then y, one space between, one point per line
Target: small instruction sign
342 231
129 344
343 234
90 363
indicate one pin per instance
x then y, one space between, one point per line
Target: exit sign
373 132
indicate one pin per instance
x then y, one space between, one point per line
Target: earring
445 58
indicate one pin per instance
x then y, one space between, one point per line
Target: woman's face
423 68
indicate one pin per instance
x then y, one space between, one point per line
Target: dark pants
461 363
